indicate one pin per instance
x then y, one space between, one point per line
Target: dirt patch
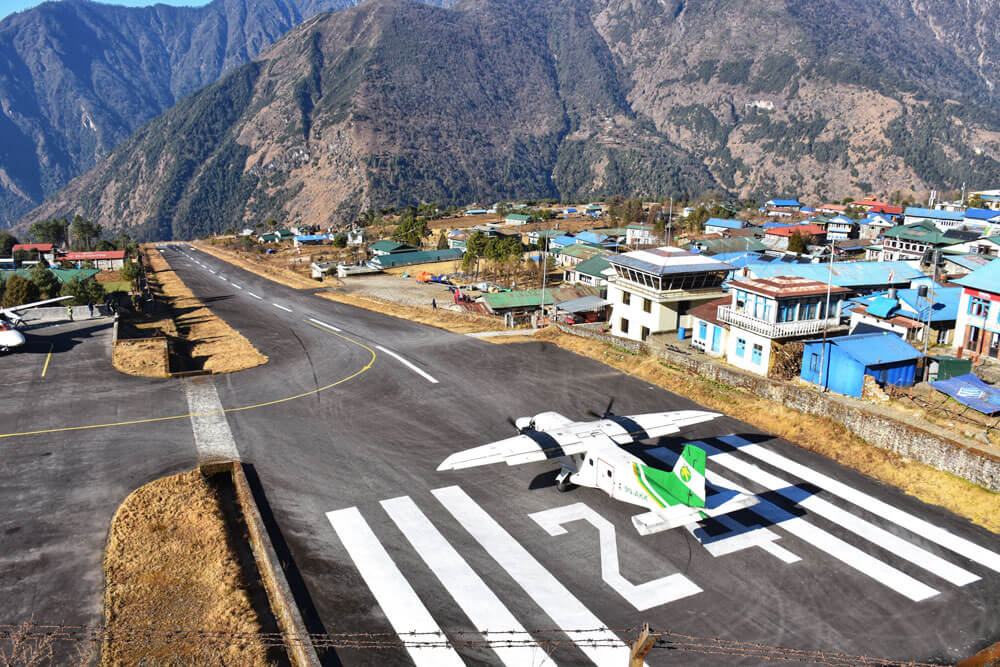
262 266
457 321
208 341
142 356
816 434
170 565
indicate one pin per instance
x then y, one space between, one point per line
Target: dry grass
261 265
816 434
221 348
450 320
169 565
141 356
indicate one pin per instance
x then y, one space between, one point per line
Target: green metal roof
581 250
923 231
595 266
532 298
397 259
62 275
518 216
387 245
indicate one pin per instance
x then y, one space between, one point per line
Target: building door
605 477
716 339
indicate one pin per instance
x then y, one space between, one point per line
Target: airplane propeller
607 411
510 420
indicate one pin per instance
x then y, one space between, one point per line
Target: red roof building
92 255
875 206
811 230
42 247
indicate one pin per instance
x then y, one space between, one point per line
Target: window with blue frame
979 307
702 331
808 310
741 346
786 311
758 353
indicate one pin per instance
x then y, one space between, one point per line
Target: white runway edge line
212 437
255 296
924 529
479 603
398 600
426 376
323 324
541 586
278 305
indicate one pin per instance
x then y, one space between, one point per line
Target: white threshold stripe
323 324
541 586
399 602
426 376
212 437
825 541
255 296
923 528
211 271
879 536
235 285
475 598
278 305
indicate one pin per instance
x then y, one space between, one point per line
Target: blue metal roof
882 306
843 220
987 278
875 349
783 202
311 237
981 214
970 262
932 213
845 274
563 240
725 223
591 237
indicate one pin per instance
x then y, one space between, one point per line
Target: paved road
375 540
829 559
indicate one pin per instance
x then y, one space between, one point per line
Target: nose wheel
562 481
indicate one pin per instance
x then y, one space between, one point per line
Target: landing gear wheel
563 484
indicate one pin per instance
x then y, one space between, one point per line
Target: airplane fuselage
613 471
10 337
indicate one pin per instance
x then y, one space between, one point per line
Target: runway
344 429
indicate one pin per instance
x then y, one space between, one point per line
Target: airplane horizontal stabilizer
675 516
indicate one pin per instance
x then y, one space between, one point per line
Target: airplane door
606 477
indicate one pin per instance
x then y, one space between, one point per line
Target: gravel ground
406 291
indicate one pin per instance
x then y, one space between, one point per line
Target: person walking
90 307
69 313
434 304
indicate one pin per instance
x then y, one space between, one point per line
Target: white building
640 235
652 290
768 310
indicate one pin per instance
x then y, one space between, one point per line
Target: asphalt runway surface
374 540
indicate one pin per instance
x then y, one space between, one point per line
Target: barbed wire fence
17 640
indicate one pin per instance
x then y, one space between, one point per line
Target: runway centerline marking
255 296
323 324
278 305
426 376
47 358
189 415
235 285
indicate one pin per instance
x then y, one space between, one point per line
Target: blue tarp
971 391
882 306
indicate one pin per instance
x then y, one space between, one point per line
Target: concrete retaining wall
299 646
875 428
56 313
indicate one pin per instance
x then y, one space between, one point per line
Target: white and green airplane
591 455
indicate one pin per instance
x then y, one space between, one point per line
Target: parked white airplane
10 337
591 455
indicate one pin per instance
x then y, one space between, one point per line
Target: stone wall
870 425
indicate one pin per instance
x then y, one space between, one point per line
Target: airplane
10 337
591 455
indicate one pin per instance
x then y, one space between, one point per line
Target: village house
722 225
909 242
103 260
774 310
941 219
777 237
977 327
841 228
909 312
594 271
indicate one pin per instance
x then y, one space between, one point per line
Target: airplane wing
25 306
525 448
624 430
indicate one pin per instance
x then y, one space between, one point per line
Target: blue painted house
841 364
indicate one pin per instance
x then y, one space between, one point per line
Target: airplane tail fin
690 469
684 485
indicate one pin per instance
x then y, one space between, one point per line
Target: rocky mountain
392 102
77 77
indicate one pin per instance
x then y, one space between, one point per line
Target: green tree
49 231
45 281
799 242
19 290
131 271
84 291
975 201
7 243
340 241
411 228
84 234
476 244
442 241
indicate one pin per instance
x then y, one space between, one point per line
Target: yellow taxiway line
47 358
151 420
